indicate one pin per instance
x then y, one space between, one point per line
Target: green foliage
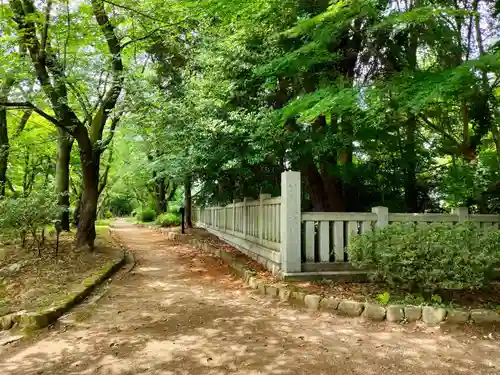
120 204
28 216
168 220
146 215
174 208
423 257
384 298
437 299
394 105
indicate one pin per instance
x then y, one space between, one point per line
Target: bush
173 208
28 215
427 257
168 220
146 215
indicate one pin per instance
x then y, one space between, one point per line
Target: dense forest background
120 105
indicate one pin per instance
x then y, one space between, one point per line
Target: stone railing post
234 215
260 218
290 217
382 216
245 218
462 213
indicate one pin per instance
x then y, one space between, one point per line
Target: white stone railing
277 234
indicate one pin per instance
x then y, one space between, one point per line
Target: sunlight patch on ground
148 269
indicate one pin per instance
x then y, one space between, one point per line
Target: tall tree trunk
86 234
76 214
4 150
323 188
65 144
333 185
188 201
160 196
4 135
314 187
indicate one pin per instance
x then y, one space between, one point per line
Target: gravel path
181 312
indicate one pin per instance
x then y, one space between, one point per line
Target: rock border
430 315
33 320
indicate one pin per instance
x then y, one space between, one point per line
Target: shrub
427 257
168 220
28 215
146 215
173 208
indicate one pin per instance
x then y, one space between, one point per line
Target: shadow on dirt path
181 312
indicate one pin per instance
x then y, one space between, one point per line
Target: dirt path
180 312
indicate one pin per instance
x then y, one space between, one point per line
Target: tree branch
11 187
45 30
435 128
104 178
55 89
111 96
130 9
23 122
151 33
148 35
112 128
31 106
81 101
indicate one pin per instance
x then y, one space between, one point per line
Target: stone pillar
462 213
382 216
290 216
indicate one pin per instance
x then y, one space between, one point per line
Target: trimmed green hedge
146 215
419 257
169 220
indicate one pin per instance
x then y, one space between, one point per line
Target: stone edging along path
40 319
430 315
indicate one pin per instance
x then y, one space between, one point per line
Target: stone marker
374 312
395 313
329 304
253 282
351 308
284 294
432 316
413 313
482 316
6 322
312 301
457 316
